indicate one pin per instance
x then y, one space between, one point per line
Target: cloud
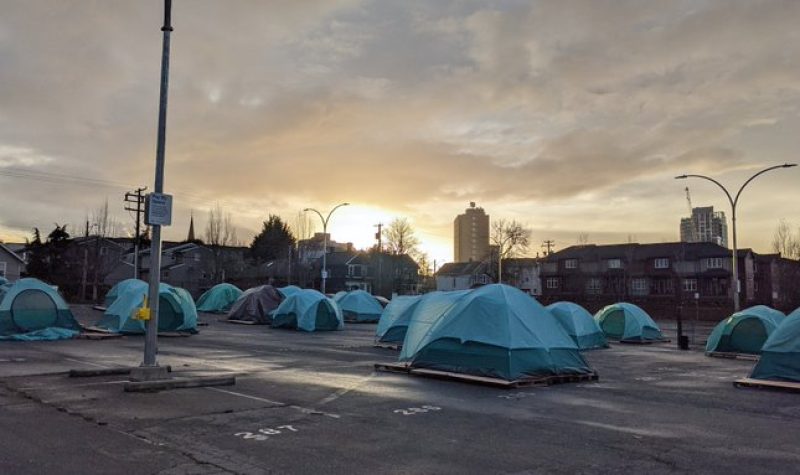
412 107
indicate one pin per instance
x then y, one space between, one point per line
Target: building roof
462 268
14 254
636 251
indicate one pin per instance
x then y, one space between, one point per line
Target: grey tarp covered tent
496 331
256 305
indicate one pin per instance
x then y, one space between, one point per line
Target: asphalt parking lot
312 403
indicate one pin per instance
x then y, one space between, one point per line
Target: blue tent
496 331
3 281
176 310
359 306
627 322
744 331
218 299
118 288
30 305
395 317
579 325
308 310
780 355
289 290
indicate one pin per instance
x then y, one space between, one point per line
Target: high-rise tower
471 233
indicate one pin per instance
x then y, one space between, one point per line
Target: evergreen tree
274 240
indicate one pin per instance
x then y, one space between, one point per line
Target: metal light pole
151 336
733 202
325 241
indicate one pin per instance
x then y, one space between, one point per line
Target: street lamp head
789 165
345 204
681 177
306 209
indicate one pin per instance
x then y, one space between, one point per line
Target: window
714 262
571 264
639 286
354 270
614 264
3 269
662 263
690 285
593 286
552 283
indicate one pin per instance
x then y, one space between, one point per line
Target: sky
572 117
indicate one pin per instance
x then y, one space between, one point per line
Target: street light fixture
733 202
325 240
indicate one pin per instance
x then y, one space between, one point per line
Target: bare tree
785 242
398 238
99 260
303 226
583 239
511 239
220 232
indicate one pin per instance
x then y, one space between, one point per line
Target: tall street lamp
734 201
325 241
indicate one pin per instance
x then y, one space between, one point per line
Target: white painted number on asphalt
263 434
416 410
515 395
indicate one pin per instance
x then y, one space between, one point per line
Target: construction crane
692 224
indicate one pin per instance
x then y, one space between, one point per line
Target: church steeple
190 237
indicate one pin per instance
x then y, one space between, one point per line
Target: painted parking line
304 410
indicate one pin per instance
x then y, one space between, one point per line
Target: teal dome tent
579 325
119 287
176 309
780 355
218 299
359 306
744 331
308 310
627 322
30 305
496 331
395 317
289 290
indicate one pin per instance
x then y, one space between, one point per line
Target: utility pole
379 237
138 198
548 246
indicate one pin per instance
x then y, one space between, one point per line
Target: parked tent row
177 310
31 307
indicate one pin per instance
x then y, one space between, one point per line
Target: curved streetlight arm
334 209
318 214
785 165
730 199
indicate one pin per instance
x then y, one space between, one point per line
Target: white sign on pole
325 274
158 209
